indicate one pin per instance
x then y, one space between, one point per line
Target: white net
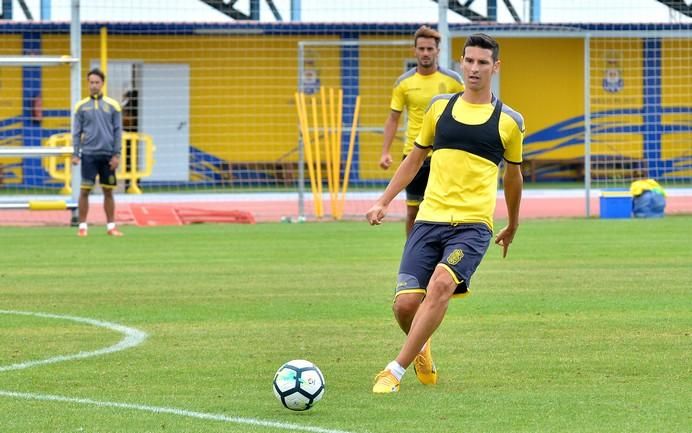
213 84
34 89
640 105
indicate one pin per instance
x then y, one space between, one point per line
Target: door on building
155 99
164 113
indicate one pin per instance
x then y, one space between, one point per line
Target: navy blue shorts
93 165
416 189
459 248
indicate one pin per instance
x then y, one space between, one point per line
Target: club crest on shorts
455 257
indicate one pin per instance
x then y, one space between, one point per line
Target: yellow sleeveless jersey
414 92
468 145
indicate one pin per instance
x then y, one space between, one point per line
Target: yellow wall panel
241 90
10 78
676 60
380 66
241 87
543 79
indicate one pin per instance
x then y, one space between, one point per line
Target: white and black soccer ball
298 384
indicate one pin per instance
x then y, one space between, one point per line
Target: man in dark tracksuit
97 140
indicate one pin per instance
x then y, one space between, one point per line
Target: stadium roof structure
345 28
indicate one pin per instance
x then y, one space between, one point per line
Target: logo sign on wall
310 81
613 82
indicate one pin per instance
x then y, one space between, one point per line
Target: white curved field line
133 337
170 410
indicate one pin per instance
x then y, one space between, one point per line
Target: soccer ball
298 384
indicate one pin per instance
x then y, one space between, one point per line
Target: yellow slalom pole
334 152
104 58
307 146
305 132
328 153
337 144
318 159
351 142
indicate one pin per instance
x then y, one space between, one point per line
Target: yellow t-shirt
414 91
462 187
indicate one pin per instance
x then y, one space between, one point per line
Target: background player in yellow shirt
413 91
470 135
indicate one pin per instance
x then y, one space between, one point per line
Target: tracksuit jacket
97 127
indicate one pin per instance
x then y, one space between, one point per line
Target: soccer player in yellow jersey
470 134
413 91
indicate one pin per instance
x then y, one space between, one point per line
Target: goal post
29 160
6 61
37 203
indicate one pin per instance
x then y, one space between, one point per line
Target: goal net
35 168
607 99
640 104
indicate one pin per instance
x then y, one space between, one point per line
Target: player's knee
440 290
406 305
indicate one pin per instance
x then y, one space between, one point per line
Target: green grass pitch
585 327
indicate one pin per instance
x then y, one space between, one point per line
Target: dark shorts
93 165
416 189
459 248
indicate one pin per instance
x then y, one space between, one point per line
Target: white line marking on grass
133 337
171 411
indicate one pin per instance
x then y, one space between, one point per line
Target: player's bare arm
403 176
390 127
513 184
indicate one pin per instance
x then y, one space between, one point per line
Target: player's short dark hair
481 40
98 73
426 32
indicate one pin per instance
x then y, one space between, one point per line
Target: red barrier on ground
161 215
174 215
197 215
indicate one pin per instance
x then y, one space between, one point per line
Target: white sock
110 226
423 348
396 369
83 226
